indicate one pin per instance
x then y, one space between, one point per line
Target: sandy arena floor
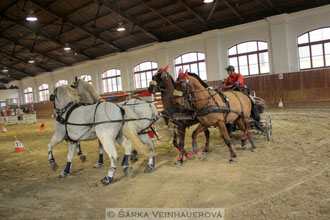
288 178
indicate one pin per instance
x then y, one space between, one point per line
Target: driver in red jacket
235 81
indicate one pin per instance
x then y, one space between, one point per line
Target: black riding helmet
230 68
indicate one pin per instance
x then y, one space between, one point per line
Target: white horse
105 120
146 112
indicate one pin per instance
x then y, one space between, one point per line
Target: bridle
59 112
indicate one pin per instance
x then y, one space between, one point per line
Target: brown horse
183 117
211 109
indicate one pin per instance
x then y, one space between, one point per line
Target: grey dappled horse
105 120
146 112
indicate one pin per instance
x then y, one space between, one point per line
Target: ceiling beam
234 10
24 61
212 10
35 51
271 4
68 20
48 38
20 61
194 13
127 18
259 2
163 17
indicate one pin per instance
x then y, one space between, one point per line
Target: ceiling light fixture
208 1
31 16
5 70
67 47
120 27
31 60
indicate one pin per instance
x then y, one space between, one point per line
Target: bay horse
163 82
211 109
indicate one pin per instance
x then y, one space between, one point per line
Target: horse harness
71 106
207 108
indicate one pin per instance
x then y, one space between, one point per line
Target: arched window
249 58
111 81
314 49
43 92
61 82
143 73
87 78
194 62
28 95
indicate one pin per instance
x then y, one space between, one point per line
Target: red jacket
235 77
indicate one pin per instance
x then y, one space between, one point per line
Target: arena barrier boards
11 120
29 119
2 120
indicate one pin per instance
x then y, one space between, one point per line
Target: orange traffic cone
3 130
280 104
42 127
18 145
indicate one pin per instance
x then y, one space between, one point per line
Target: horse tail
130 130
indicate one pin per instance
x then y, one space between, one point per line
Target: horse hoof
106 180
82 158
244 147
128 171
254 149
54 166
98 165
205 151
133 157
178 163
188 156
63 175
148 169
233 160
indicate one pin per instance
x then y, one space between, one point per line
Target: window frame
57 84
310 44
257 52
28 93
152 70
89 81
197 62
105 79
46 96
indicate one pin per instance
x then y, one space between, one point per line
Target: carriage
266 122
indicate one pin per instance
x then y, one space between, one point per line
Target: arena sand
288 178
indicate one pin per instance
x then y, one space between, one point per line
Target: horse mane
199 79
172 80
72 93
88 88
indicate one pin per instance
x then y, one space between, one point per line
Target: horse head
63 95
183 90
159 80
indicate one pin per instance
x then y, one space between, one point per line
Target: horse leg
123 141
226 138
182 152
145 139
241 126
80 154
247 125
195 133
100 162
56 139
207 138
65 172
110 149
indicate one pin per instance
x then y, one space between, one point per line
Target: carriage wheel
269 128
